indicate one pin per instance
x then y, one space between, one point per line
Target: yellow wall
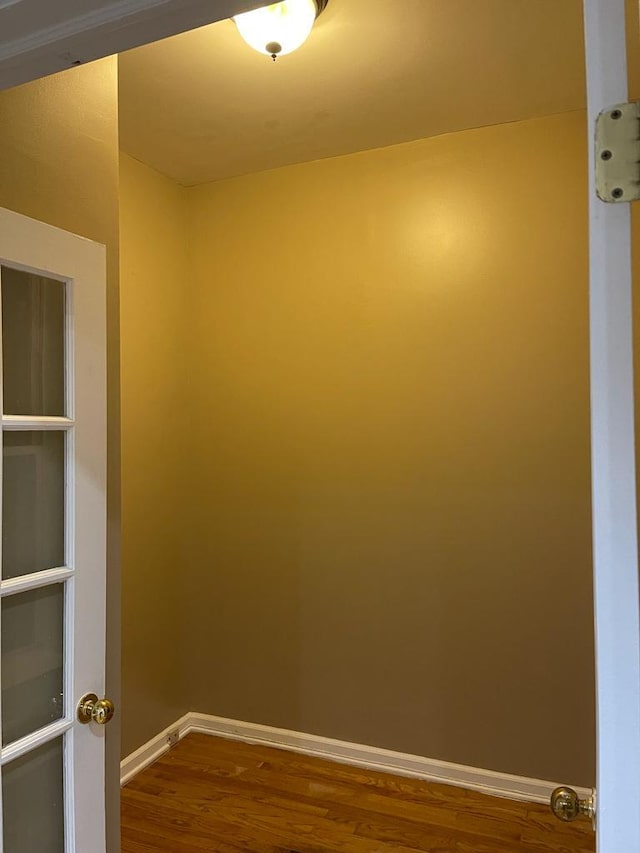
389 533
155 437
59 164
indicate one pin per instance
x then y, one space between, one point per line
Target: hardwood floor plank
172 830
210 794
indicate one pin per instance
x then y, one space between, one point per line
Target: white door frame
615 542
112 26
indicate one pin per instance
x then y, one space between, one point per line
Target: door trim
76 25
120 25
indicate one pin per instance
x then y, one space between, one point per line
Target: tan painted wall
155 292
59 164
390 515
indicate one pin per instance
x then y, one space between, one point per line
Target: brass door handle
567 805
92 709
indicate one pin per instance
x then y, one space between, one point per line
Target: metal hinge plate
618 153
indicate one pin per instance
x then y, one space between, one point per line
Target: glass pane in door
33 801
32 661
33 505
33 344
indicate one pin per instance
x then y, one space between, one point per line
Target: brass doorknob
100 711
567 805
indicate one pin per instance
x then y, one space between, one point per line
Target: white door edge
615 542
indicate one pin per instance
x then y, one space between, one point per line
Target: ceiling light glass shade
278 29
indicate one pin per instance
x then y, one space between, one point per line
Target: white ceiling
203 106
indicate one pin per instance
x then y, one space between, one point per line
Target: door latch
567 805
91 709
618 153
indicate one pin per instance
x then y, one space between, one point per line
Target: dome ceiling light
280 28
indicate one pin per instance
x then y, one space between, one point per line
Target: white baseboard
355 754
151 751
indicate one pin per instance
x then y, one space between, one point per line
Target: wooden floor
209 794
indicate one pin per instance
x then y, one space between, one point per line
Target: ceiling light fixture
280 28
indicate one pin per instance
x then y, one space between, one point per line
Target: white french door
615 541
52 587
